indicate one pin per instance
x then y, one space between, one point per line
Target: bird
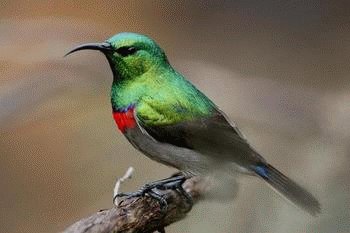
168 119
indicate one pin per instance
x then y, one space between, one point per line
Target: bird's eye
126 51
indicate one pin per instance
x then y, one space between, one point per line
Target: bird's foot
150 189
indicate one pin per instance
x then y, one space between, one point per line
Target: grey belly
184 159
181 158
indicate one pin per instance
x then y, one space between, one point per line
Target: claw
162 202
188 197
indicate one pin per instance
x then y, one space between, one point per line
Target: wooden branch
141 214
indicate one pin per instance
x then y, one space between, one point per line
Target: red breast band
125 119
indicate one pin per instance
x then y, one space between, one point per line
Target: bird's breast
124 118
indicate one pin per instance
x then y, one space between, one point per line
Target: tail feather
288 188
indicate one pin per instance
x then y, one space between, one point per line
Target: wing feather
212 135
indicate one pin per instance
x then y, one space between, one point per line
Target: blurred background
280 69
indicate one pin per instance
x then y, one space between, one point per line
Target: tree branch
142 214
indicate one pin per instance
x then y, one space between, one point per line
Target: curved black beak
103 47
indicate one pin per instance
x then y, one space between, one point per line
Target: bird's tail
288 188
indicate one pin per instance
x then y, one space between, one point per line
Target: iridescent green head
129 54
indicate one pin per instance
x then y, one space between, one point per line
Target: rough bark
141 214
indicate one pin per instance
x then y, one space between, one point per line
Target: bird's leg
162 202
177 185
163 184
174 182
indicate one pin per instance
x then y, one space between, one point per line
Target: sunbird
169 120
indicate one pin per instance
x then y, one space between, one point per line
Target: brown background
279 68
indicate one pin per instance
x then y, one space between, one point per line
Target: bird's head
129 54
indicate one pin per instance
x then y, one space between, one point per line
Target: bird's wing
213 135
